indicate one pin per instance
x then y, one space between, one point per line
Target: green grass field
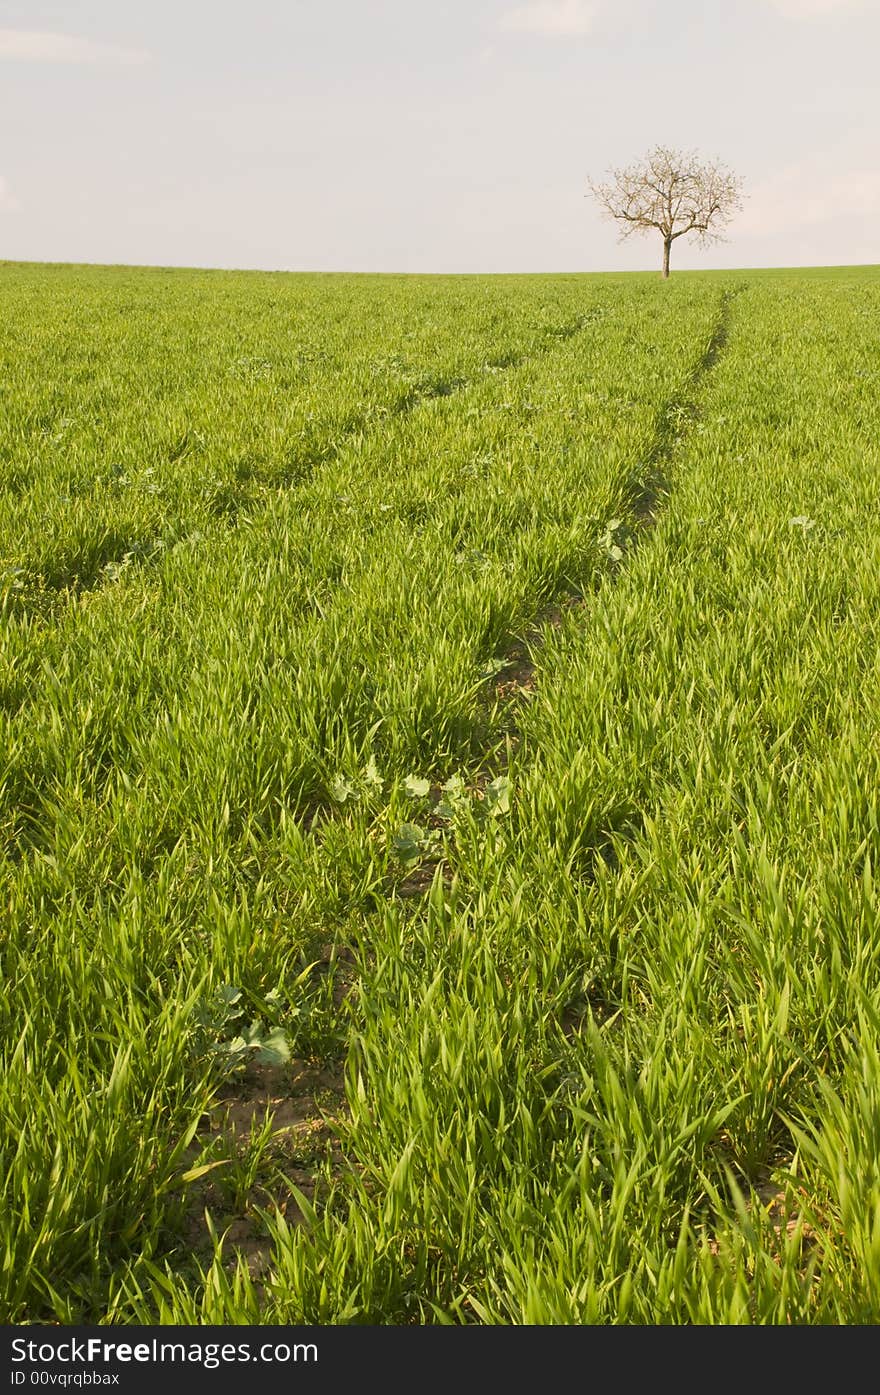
440 798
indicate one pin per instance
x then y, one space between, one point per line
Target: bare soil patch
270 1130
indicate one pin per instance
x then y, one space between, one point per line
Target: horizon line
319 271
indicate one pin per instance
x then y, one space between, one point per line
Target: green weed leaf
497 796
341 789
416 787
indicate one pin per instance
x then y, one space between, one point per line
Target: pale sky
428 135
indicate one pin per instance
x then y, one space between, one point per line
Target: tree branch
667 188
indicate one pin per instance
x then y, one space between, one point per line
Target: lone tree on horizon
673 191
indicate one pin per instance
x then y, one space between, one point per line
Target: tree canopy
674 192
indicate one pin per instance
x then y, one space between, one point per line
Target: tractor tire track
647 485
102 563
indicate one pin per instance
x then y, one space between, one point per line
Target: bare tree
673 191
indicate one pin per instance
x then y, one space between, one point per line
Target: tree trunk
667 246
